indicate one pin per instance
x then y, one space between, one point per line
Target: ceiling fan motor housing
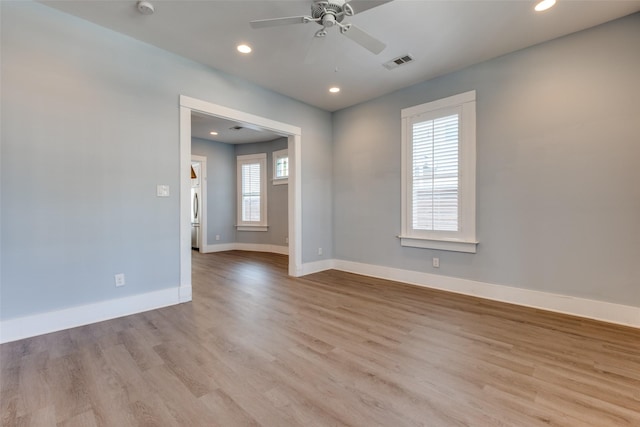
328 13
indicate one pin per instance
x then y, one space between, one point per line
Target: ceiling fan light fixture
244 48
544 5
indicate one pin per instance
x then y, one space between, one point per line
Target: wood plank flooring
256 347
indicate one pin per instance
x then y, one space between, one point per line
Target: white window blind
251 192
435 174
438 174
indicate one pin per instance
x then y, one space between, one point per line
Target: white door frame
202 238
293 133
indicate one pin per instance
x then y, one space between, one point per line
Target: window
280 167
252 194
438 174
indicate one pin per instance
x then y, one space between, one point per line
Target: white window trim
463 240
278 155
252 228
241 225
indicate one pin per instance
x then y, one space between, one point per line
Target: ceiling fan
331 13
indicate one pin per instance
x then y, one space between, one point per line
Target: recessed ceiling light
243 48
334 89
213 132
544 5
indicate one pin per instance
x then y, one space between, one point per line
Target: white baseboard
221 247
44 323
255 247
582 307
185 293
317 266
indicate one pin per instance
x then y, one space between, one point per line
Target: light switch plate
162 190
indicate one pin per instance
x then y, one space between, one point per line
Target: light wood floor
256 347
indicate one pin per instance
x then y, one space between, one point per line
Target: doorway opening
189 105
198 217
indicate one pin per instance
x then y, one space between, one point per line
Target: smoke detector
145 7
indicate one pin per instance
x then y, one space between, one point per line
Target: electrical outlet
119 279
319 251
162 190
217 237
436 262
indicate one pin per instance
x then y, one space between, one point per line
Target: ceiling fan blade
264 23
365 40
362 5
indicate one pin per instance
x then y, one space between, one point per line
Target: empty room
320 213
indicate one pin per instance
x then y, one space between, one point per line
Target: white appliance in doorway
196 203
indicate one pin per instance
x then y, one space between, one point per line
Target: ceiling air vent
396 62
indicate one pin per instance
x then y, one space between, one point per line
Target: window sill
443 245
280 181
252 227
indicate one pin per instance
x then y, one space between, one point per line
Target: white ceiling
443 36
202 125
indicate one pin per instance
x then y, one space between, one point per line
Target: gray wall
90 126
221 192
277 198
558 182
